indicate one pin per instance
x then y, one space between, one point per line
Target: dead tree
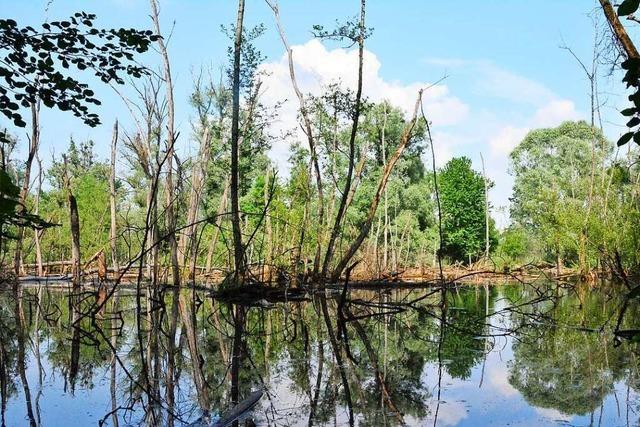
34 142
170 189
352 149
74 224
238 250
112 199
308 131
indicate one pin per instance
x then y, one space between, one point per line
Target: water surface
524 355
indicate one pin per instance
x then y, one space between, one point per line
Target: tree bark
74 222
310 138
618 30
34 142
352 147
238 250
171 140
112 200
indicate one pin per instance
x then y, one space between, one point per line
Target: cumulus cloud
492 114
551 114
316 67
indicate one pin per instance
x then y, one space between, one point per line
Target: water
470 356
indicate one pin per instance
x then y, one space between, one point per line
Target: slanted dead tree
620 33
143 152
188 241
388 168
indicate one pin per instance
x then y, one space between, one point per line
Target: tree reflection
565 367
171 356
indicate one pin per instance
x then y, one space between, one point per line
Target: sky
505 72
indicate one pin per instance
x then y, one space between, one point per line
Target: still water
520 355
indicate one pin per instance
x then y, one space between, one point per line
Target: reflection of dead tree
373 358
337 352
237 353
21 356
196 365
320 355
112 383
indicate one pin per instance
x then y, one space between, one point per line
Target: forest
190 242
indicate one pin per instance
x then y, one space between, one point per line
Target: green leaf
628 112
625 138
635 121
627 7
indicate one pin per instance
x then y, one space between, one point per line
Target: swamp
322 213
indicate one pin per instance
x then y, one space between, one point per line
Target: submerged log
236 413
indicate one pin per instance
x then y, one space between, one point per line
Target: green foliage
14 213
89 183
463 210
627 7
32 59
571 199
514 244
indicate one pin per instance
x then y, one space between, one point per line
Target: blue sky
506 72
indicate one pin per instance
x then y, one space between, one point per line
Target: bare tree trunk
112 200
216 231
310 138
385 255
618 30
238 250
74 222
171 140
352 147
34 142
38 233
366 226
486 210
269 231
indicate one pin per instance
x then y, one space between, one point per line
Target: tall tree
463 210
238 249
170 147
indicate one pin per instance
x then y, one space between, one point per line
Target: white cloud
316 67
451 413
497 82
506 140
554 113
499 380
507 105
554 415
